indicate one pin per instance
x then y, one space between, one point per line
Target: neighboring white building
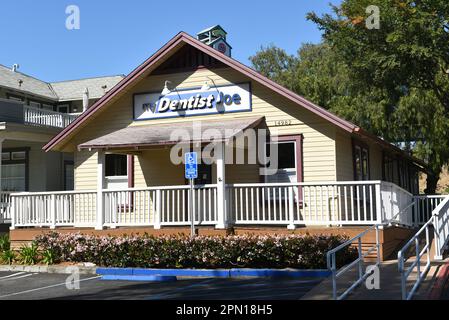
32 111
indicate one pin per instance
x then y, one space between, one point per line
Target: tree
407 58
393 81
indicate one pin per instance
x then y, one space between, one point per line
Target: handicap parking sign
191 165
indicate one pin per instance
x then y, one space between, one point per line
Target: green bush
4 243
48 256
29 255
292 251
7 256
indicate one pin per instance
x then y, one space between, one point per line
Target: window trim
68 163
68 105
298 139
26 161
392 160
363 146
117 176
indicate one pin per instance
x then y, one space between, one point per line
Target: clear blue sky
116 36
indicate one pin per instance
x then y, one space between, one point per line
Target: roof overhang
146 136
167 50
172 46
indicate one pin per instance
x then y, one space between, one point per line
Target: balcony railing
282 204
17 112
47 118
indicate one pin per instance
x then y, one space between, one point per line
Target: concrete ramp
390 285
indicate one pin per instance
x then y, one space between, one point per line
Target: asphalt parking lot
36 286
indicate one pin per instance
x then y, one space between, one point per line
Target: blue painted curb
154 278
214 273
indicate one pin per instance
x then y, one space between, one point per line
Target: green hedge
292 251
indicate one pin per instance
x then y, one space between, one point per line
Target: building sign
193 102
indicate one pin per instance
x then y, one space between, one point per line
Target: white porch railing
283 204
160 206
441 227
47 118
5 207
425 205
422 244
54 209
335 203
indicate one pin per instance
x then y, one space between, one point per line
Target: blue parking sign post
191 173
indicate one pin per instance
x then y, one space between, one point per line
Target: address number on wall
280 123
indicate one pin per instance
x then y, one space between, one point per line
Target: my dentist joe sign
193 102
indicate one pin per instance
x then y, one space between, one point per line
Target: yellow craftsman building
329 171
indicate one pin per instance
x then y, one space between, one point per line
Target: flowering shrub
247 251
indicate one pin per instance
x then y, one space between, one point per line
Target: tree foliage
392 81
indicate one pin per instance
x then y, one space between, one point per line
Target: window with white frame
116 165
287 170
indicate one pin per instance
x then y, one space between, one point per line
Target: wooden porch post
100 186
222 222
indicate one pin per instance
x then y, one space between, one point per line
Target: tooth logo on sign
191 102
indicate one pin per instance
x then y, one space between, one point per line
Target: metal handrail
405 272
417 263
332 261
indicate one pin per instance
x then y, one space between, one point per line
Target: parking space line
19 277
46 287
12 275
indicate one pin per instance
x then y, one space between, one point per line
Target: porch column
221 186
100 186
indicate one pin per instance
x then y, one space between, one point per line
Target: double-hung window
361 161
14 170
287 170
286 153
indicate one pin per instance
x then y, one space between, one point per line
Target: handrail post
360 258
378 245
158 209
418 258
291 209
13 214
403 279
379 210
416 212
53 211
436 228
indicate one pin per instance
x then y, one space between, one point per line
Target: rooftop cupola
216 38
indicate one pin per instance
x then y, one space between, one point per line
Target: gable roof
10 79
74 89
183 38
69 90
